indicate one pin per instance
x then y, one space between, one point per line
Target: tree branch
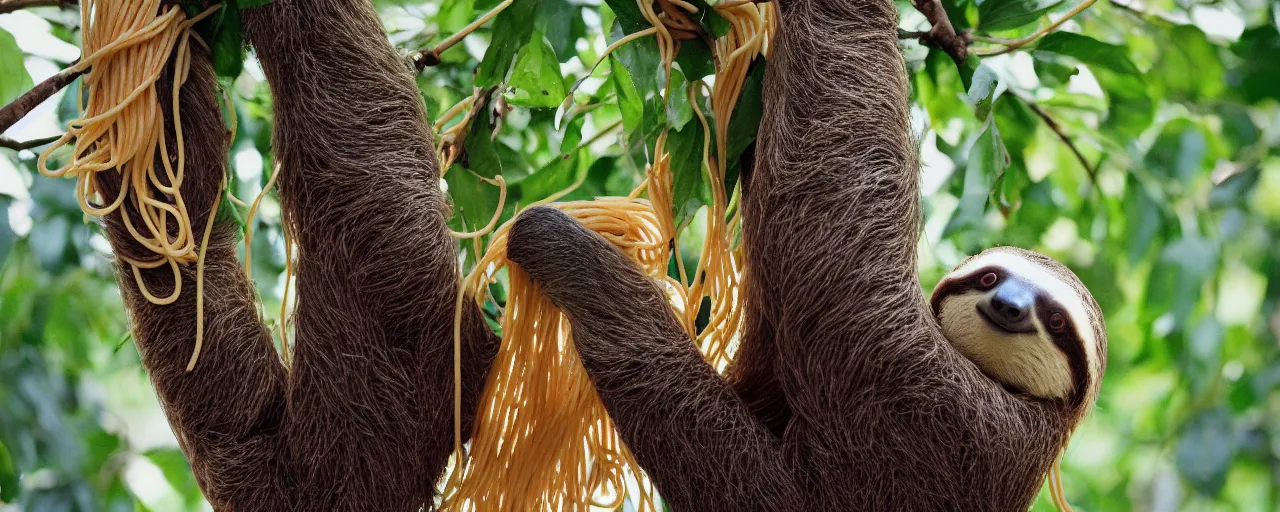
1062 135
432 57
34 143
1014 44
11 113
8 6
942 34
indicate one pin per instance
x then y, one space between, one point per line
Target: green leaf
629 100
967 69
173 464
745 123
245 4
473 200
957 12
556 175
482 155
227 49
561 23
689 181
629 15
536 77
572 134
982 91
512 29
1205 451
14 79
695 60
1090 51
1259 70
987 159
939 86
1131 107
996 15
679 111
1189 50
1052 72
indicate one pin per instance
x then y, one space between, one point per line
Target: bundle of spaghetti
717 273
542 439
127 44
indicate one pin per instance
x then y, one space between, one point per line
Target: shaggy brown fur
228 413
365 420
370 401
848 397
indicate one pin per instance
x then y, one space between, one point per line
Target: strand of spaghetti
457 374
568 101
249 222
452 112
284 299
204 249
1059 494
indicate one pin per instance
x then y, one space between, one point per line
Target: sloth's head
1026 321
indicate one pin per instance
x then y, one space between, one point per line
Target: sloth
849 390
363 417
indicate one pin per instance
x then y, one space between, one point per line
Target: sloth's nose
1009 306
1006 309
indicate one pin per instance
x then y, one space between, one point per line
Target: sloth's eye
1057 322
988 280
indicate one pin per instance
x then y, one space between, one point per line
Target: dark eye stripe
1068 341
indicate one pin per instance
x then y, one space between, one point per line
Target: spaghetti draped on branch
122 130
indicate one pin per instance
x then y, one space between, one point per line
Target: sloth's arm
371 392
228 412
686 427
831 213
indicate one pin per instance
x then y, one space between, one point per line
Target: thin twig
1057 129
941 33
11 113
34 143
1014 44
8 6
432 57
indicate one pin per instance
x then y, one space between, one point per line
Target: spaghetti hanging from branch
127 45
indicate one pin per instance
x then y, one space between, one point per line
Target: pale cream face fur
1028 361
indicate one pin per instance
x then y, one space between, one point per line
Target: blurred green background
1170 213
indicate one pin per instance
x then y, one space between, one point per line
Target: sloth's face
1025 321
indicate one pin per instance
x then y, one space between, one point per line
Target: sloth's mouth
998 326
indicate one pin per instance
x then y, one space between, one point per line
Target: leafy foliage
1166 202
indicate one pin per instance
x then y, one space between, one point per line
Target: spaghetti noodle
542 438
127 46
